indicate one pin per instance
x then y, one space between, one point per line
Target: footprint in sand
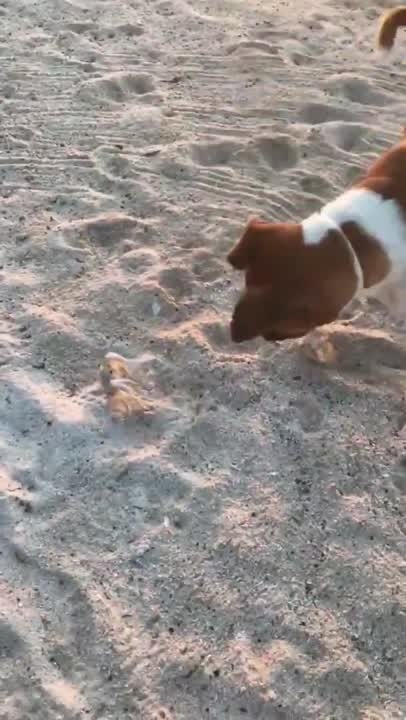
317 113
214 153
104 231
121 88
279 151
123 30
177 281
206 266
344 135
356 89
299 58
257 45
136 259
315 185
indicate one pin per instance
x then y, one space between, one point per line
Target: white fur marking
316 227
383 219
380 218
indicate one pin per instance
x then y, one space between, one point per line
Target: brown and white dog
299 276
389 25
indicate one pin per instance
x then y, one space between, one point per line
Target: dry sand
240 552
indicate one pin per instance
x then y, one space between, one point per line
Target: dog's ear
244 252
268 252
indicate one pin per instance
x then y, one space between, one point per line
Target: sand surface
239 551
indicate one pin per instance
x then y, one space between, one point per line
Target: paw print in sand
123 399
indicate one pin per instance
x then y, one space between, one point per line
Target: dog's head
273 312
288 288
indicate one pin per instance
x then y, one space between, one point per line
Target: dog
388 27
300 276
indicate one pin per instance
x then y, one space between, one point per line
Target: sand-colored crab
123 398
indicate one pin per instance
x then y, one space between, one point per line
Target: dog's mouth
275 336
240 334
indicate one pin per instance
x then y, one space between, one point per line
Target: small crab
123 399
318 347
112 367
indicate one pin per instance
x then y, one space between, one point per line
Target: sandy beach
237 548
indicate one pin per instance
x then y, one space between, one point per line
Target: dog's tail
389 25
